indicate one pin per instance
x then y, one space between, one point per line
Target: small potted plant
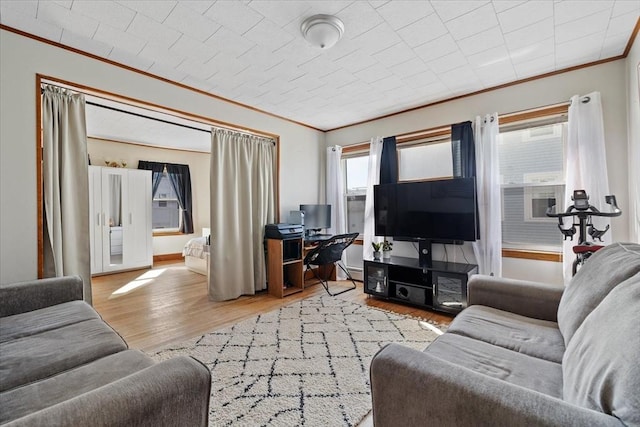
376 249
387 246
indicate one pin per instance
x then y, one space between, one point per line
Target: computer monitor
316 218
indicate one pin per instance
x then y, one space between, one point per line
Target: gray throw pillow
601 366
601 273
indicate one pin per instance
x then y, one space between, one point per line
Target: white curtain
242 203
634 190
65 177
335 197
586 165
488 249
373 178
634 155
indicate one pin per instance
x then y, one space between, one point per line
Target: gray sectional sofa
526 354
61 365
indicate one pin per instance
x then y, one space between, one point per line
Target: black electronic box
283 231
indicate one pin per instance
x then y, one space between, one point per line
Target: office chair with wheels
330 252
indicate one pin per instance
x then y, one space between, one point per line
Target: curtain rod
584 100
147 117
164 121
141 115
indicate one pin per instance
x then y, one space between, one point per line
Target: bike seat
581 249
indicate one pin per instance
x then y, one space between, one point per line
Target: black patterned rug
304 364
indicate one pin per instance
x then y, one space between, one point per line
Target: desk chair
330 252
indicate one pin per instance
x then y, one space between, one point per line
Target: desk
322 271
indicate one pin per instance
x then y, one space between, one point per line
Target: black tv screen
437 210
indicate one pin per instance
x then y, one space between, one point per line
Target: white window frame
533 180
164 199
347 193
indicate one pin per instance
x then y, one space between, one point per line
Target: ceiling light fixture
322 31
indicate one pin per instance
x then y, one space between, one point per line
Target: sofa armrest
16 298
530 299
412 388
174 392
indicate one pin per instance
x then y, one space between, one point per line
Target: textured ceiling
147 127
394 55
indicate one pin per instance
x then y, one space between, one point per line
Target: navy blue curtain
463 150
389 161
180 179
157 170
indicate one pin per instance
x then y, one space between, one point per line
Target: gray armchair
60 364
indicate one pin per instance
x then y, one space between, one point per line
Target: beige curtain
66 186
242 203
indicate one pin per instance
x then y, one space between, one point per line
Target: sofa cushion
602 272
534 337
38 395
42 355
497 362
601 364
45 319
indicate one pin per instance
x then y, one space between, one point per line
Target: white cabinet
120 209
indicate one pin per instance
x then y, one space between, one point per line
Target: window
165 208
355 170
425 161
532 173
422 160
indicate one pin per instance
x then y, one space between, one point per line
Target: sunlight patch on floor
137 283
431 327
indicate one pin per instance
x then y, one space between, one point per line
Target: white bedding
195 248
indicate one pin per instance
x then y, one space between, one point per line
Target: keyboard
317 237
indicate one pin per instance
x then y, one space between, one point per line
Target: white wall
99 150
21 58
609 79
633 91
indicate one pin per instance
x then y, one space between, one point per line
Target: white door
137 226
95 218
114 209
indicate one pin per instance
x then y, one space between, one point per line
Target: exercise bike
583 211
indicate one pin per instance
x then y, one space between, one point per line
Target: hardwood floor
154 307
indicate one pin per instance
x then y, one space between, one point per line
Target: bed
196 253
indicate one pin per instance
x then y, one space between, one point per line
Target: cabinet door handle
130 218
98 220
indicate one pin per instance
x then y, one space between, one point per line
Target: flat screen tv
436 210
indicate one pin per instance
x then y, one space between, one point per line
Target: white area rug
304 364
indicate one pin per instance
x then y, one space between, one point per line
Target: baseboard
168 257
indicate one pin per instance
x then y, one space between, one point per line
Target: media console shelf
439 285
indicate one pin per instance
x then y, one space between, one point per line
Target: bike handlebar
590 211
